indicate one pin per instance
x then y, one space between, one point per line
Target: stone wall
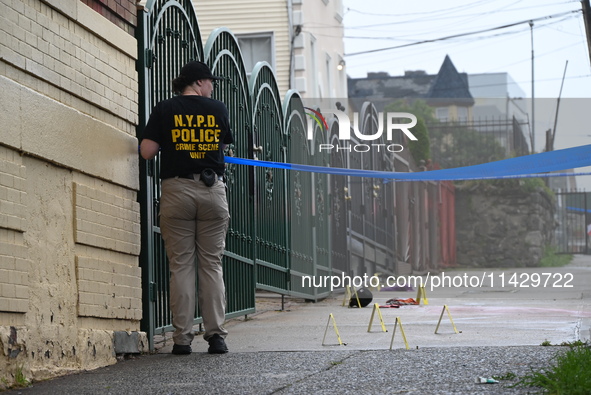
505 223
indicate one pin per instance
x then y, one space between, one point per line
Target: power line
385 59
481 37
464 34
444 11
436 17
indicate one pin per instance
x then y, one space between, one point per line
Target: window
339 13
442 113
462 114
328 75
314 66
256 48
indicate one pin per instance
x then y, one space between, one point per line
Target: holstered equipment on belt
208 176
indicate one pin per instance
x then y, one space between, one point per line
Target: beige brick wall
14 266
108 289
69 217
107 217
88 59
107 220
14 272
71 91
12 190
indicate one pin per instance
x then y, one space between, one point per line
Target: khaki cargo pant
194 221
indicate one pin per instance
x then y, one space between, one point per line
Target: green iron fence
573 215
168 39
259 248
223 55
309 202
321 215
270 216
285 225
300 195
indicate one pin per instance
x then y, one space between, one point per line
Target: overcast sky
483 45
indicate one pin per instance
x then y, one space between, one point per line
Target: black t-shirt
191 131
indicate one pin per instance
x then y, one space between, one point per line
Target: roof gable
449 85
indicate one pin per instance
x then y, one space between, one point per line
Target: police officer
191 130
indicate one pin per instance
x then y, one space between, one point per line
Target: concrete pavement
501 323
505 314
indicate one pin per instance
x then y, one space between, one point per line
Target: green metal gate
573 215
222 53
270 217
168 38
300 196
285 225
260 250
308 195
320 207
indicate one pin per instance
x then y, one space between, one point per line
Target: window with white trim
256 48
462 114
442 113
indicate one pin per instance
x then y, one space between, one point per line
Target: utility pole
553 135
587 19
533 105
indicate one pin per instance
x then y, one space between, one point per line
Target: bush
552 259
569 374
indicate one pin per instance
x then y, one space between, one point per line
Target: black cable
463 34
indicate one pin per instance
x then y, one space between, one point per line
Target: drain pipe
294 31
291 39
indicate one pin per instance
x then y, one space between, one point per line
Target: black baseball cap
195 70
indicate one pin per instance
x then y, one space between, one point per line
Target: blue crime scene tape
536 165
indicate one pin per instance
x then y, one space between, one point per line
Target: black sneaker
179 349
217 345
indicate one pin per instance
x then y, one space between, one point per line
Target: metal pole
533 106
587 18
557 106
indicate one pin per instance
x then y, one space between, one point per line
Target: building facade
490 104
70 283
302 40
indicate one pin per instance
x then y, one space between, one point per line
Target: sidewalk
501 329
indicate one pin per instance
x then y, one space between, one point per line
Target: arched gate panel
270 216
321 228
168 37
223 55
340 210
285 224
301 243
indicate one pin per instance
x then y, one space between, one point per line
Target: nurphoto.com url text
443 280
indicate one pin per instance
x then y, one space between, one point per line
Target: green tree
457 145
420 149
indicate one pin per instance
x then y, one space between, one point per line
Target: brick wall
107 220
108 289
14 265
122 13
45 44
69 217
107 217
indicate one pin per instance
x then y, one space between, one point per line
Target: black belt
191 176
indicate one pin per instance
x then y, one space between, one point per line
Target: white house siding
248 17
320 22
